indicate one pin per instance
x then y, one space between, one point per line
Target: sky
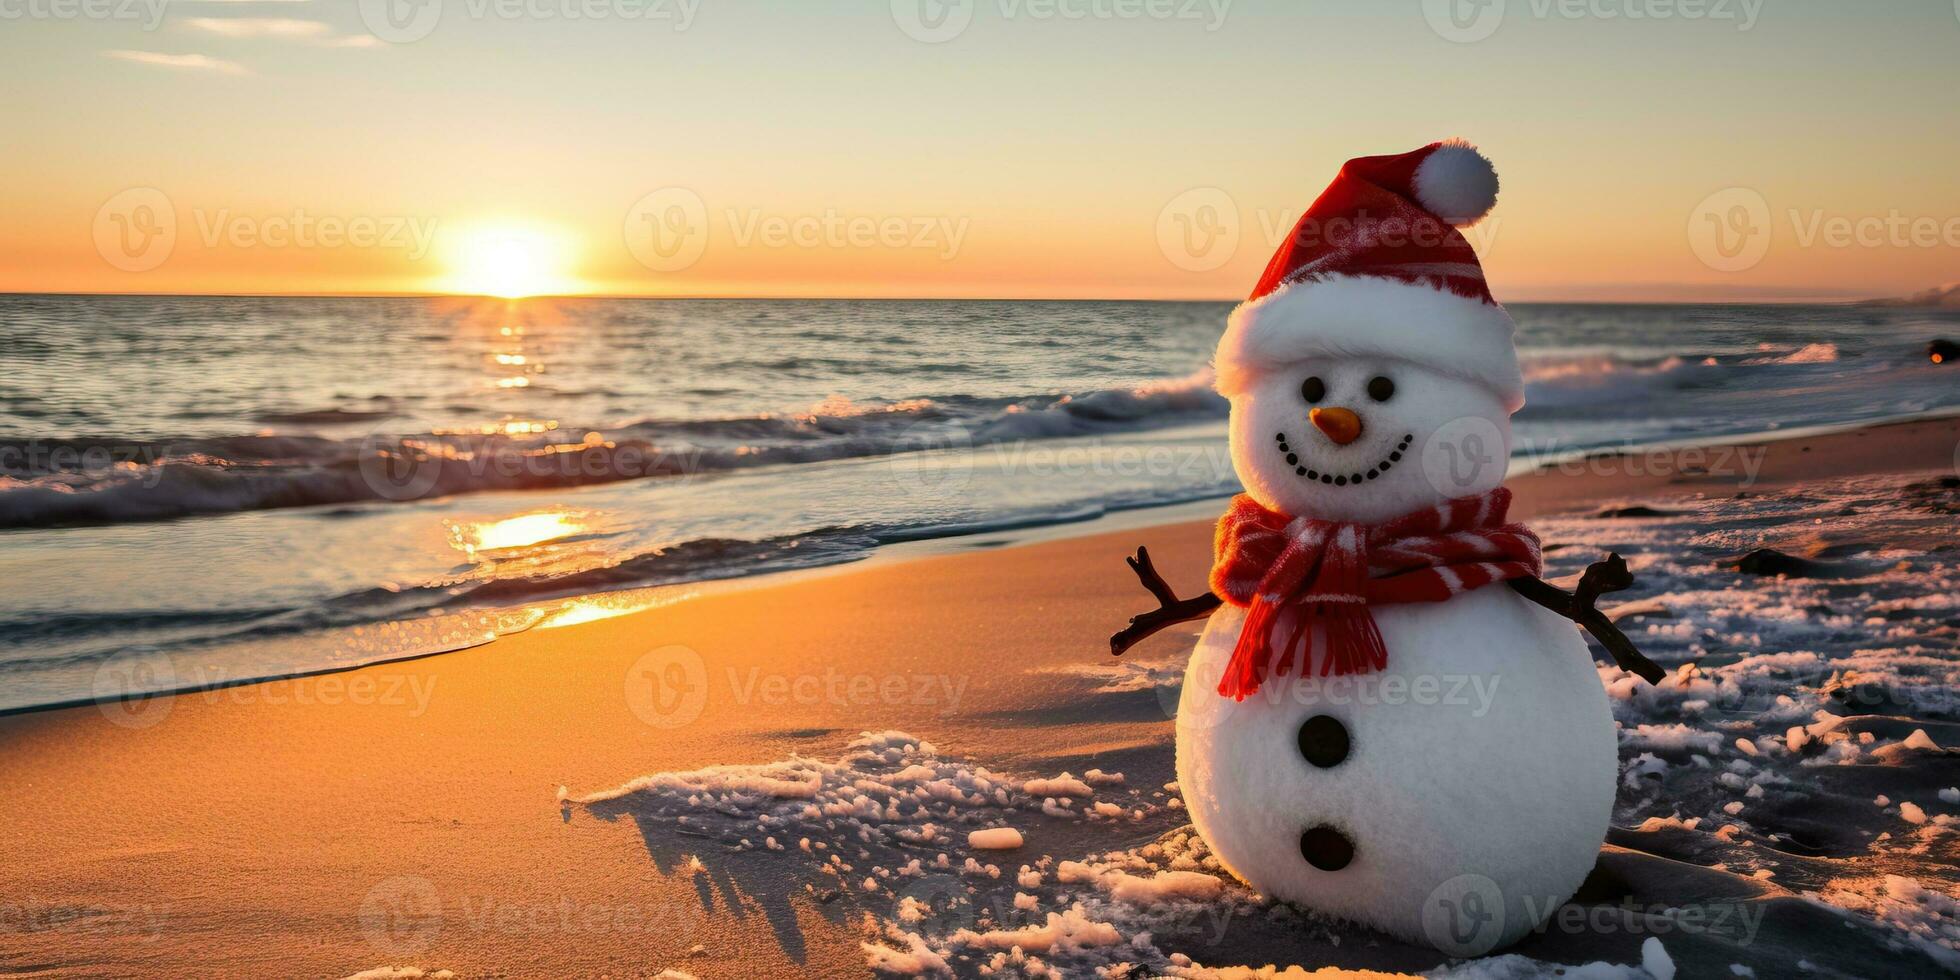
1650 150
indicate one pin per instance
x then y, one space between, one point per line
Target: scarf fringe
1353 645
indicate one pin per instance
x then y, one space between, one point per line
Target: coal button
1324 741
1326 848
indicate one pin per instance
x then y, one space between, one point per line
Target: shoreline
1535 481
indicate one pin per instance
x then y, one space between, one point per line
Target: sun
508 259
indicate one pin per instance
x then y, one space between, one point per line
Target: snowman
1389 717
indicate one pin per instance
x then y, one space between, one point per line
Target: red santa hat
1377 267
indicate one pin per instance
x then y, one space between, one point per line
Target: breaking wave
106 480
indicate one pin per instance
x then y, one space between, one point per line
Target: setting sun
508 260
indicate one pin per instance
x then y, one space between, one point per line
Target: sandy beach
477 812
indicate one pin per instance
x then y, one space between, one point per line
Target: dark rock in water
1769 561
1943 351
1637 510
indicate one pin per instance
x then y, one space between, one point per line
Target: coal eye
1313 389
1381 389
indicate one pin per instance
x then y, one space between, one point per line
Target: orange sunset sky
1785 149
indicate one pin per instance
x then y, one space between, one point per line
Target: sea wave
106 480
1561 381
41 641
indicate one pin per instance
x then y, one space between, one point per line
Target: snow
1065 931
889 786
1929 919
1788 674
1062 785
1163 886
994 839
1675 738
916 959
1654 959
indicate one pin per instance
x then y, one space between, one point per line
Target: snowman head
1365 438
1371 373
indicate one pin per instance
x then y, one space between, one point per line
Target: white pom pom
1456 183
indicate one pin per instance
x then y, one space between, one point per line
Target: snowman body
1472 778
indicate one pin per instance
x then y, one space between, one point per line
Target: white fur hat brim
1360 316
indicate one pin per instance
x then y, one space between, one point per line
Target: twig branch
1147 574
1170 610
1579 605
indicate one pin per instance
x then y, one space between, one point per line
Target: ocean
223 489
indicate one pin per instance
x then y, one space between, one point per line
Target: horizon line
1848 300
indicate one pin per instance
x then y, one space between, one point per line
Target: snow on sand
880 828
1789 787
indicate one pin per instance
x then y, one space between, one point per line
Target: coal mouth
1332 478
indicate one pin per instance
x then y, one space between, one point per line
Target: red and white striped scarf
1328 574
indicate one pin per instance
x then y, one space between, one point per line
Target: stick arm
1580 606
1170 611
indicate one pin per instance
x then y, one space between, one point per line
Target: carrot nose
1338 424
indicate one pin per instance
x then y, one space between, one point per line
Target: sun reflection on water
520 531
595 608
